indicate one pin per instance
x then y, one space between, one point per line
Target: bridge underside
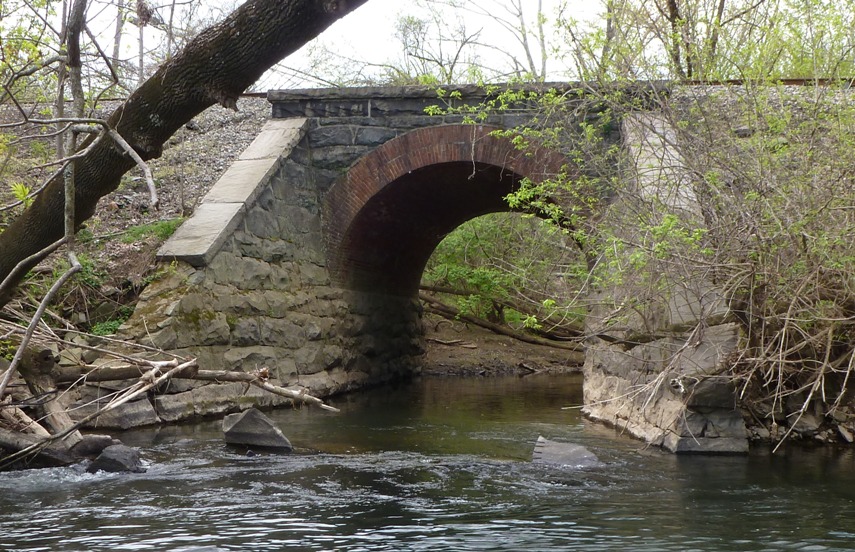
389 242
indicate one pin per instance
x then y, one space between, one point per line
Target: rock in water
251 428
564 454
92 445
117 458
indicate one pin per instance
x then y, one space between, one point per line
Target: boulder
92 445
117 458
564 454
251 428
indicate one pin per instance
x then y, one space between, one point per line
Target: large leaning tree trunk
216 67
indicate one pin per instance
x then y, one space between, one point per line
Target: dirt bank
460 349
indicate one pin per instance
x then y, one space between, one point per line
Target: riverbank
455 348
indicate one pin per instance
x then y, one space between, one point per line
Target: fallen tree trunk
560 331
118 373
450 312
39 377
48 456
21 422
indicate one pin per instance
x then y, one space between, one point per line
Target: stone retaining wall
656 373
244 285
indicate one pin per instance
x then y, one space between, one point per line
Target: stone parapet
200 238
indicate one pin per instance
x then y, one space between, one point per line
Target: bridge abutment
244 284
655 365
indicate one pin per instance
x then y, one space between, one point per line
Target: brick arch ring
432 154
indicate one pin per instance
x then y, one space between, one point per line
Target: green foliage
21 193
512 269
7 349
111 326
41 150
108 327
161 230
748 40
90 274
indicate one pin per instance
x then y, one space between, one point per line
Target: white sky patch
367 35
366 38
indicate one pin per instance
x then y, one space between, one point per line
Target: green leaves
22 193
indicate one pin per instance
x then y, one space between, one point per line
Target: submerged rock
117 458
251 428
564 454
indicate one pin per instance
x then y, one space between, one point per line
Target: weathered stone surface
263 224
175 407
338 157
281 332
276 139
244 180
620 388
117 458
217 399
807 424
705 445
199 238
251 428
563 454
245 273
92 445
373 136
334 135
132 414
236 357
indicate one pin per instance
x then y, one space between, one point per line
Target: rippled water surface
439 464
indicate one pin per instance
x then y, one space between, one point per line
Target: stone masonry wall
245 286
665 388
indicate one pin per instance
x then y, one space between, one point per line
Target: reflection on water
439 464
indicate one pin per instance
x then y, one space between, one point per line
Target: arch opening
384 219
389 242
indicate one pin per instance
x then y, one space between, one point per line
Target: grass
161 229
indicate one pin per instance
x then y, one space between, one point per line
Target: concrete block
200 238
276 139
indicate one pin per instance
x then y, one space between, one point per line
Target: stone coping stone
201 237
276 137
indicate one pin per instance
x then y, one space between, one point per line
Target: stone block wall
657 373
244 285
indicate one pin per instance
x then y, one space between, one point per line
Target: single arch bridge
306 255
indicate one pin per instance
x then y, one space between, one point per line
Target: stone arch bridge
306 255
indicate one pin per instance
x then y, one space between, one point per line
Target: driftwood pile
36 429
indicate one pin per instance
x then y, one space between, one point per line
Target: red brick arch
383 219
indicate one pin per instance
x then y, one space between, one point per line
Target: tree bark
216 67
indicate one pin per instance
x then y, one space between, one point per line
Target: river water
436 464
